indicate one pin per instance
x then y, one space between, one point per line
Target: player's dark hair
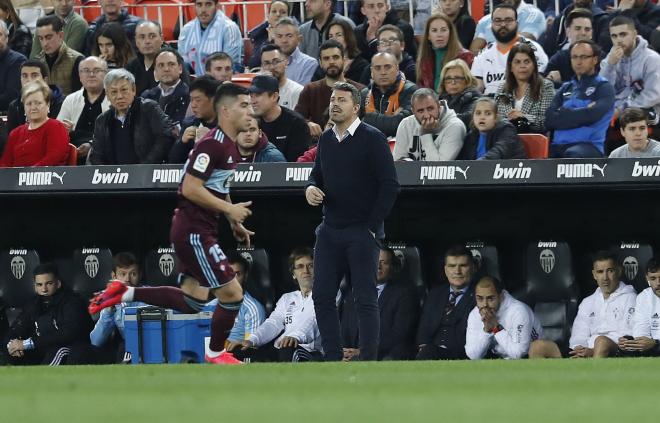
458 250
605 255
235 257
228 91
653 266
45 269
124 259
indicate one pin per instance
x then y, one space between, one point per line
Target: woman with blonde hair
41 141
439 46
458 87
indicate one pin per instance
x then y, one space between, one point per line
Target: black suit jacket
399 313
436 329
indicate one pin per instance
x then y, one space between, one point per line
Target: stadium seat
633 258
160 267
537 146
91 270
259 284
73 156
410 268
485 257
243 79
551 290
16 280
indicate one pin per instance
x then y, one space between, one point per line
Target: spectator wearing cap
283 127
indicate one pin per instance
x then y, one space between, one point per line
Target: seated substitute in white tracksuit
510 339
646 322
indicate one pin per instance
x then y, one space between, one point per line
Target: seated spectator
490 137
62 61
107 337
354 64
299 67
499 325
443 324
134 130
219 66
10 70
20 39
634 129
41 142
111 11
33 70
645 339
112 45
203 119
320 14
378 13
171 94
432 133
582 108
263 33
254 147
75 28
439 46
149 41
293 319
315 96
308 156
579 26
81 108
209 32
531 21
398 308
489 66
644 13
386 101
459 14
282 126
459 89
557 37
390 40
602 318
275 62
52 322
525 95
251 314
633 68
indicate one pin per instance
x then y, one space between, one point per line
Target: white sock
214 354
128 295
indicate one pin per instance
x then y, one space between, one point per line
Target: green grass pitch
612 390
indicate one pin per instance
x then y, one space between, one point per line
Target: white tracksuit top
647 315
597 316
521 327
294 315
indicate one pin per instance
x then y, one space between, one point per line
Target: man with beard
315 97
489 66
386 101
530 19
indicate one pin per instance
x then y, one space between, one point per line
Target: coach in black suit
398 306
441 334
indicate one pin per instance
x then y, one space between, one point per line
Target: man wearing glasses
274 60
391 40
489 66
81 108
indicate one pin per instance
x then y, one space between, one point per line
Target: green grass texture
610 390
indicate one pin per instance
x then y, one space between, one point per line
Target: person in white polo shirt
602 318
645 339
499 325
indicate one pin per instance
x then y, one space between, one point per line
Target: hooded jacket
636 79
266 152
445 144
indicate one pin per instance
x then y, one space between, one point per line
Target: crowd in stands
438 84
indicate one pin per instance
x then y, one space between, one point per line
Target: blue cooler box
166 336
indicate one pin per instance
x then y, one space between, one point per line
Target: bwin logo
547 260
297 173
166 176
631 267
166 264
18 267
579 170
39 178
477 258
441 173
118 177
646 170
249 175
519 172
91 265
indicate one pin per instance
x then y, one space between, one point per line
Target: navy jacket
174 105
10 77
